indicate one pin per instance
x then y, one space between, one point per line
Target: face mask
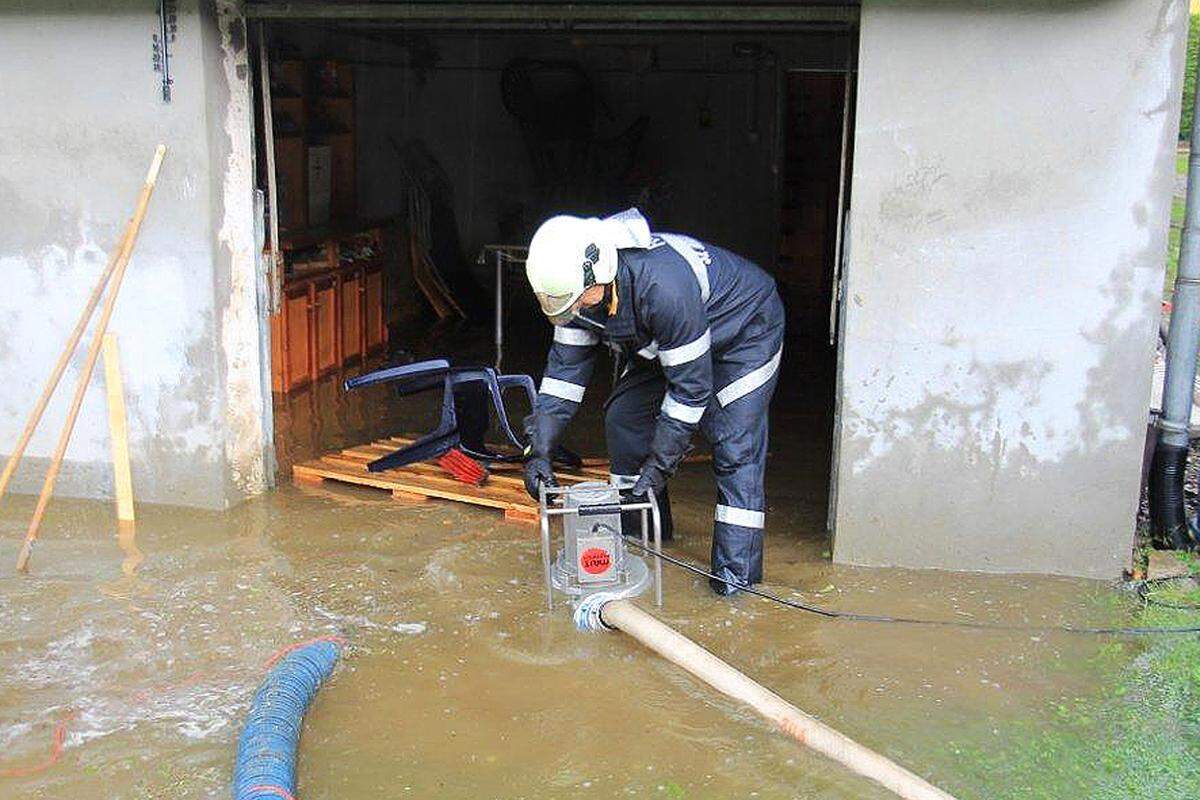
588 322
562 319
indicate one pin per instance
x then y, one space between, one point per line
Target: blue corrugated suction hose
266 759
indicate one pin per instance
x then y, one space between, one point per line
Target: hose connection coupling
587 612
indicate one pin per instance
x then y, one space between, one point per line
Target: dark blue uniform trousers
737 431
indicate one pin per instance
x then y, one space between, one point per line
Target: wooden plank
336 468
521 515
93 354
504 489
435 301
118 429
439 285
407 479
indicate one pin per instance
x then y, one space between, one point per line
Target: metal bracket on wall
161 49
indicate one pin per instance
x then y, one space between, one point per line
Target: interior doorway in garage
400 144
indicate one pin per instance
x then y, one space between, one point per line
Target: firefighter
698 336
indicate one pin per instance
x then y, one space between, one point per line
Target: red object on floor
463 467
56 750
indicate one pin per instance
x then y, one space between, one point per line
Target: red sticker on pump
595 560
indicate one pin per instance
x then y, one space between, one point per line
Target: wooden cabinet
297 339
326 331
351 300
329 317
277 339
375 321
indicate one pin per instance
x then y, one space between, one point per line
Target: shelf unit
312 108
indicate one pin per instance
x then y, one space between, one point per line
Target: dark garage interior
406 154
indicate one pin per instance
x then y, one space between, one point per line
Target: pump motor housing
592 541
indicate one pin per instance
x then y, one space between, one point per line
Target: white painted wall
1011 201
83 113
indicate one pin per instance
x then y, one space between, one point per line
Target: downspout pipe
1183 341
599 613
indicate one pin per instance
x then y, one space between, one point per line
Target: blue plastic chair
466 391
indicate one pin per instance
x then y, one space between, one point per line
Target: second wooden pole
89 366
118 429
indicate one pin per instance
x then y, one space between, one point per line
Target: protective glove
651 479
668 446
543 432
538 472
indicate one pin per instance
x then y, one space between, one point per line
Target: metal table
501 255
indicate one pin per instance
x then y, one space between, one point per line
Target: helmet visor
554 305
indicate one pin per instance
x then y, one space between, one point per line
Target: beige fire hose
623 615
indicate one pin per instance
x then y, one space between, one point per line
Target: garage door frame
543 14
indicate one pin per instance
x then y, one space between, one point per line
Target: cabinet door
352 316
325 325
298 337
374 318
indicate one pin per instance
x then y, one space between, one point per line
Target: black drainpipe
1183 339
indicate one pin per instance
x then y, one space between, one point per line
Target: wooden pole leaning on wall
60 367
93 354
118 430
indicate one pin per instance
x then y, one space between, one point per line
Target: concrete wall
1011 197
83 113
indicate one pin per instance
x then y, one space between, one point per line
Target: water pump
593 559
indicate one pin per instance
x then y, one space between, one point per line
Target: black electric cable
1143 591
945 623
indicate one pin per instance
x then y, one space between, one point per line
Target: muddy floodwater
458 683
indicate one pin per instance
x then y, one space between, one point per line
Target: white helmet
567 256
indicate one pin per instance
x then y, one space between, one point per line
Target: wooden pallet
416 483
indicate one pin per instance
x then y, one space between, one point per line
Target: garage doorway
402 140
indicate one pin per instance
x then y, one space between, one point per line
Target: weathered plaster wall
1011 198
83 113
240 288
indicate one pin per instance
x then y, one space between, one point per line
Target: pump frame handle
647 507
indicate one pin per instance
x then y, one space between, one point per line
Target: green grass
1177 209
1137 737
1189 79
1185 132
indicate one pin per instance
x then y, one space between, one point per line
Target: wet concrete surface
457 681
